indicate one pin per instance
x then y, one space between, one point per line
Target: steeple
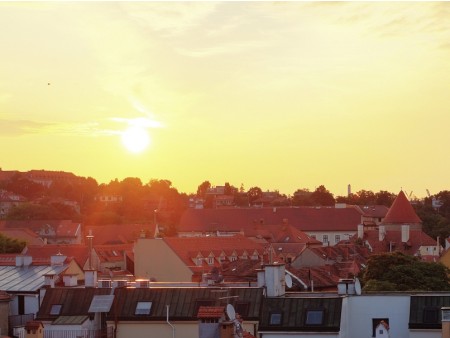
401 212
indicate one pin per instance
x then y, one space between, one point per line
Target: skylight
143 308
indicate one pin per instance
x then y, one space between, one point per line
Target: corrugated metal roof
70 320
26 279
425 311
183 302
293 313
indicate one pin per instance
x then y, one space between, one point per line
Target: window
56 309
431 315
337 238
275 318
325 239
210 260
314 317
376 322
143 308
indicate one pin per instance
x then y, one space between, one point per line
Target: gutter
167 320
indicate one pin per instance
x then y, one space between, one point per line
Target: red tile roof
284 233
43 253
119 233
401 212
23 234
187 248
393 241
238 219
211 312
113 252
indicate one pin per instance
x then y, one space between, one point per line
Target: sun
136 139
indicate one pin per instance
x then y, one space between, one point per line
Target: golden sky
280 95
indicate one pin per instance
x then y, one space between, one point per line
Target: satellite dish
357 287
230 312
288 280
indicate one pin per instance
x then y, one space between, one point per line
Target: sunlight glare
135 139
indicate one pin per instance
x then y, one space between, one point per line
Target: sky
279 95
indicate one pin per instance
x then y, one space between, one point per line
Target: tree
399 272
10 245
321 196
203 188
384 198
302 197
254 193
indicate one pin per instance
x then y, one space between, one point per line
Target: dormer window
143 308
210 260
314 317
56 309
275 318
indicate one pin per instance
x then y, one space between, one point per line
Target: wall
358 312
300 335
31 304
331 235
425 334
154 259
156 330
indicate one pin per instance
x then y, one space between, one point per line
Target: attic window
143 308
275 318
56 309
314 317
431 315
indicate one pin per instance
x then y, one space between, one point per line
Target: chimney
405 233
19 261
445 322
90 278
361 231
381 232
27 260
70 280
49 280
274 277
57 259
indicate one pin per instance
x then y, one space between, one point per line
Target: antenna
231 313
288 280
357 287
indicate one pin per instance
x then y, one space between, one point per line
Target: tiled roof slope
119 233
23 235
189 247
43 253
75 301
393 241
294 310
183 302
237 219
401 212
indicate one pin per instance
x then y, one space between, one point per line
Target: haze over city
280 95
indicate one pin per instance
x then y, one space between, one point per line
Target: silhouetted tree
254 193
321 196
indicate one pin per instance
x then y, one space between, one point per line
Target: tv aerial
288 280
231 313
358 287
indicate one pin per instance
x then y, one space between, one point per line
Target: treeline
158 201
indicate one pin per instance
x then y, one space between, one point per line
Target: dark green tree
254 193
321 196
399 272
302 197
11 245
